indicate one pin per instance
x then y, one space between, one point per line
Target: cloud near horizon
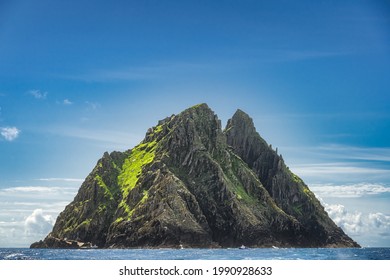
357 223
36 213
38 224
349 190
365 225
28 212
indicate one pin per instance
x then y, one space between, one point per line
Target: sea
197 254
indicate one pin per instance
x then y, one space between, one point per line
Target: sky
78 78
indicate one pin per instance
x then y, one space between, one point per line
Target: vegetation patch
145 197
298 209
236 185
85 223
158 129
107 192
140 156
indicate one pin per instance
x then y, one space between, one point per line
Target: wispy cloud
349 190
111 139
32 189
336 152
336 163
60 180
334 168
10 133
120 74
164 69
297 55
38 94
355 153
67 102
287 55
92 106
156 71
341 172
38 193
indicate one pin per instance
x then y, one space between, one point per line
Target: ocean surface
197 254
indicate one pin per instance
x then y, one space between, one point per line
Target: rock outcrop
189 183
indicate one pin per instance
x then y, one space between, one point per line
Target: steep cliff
189 183
288 191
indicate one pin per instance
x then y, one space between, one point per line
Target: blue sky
78 78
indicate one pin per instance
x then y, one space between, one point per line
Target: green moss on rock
140 156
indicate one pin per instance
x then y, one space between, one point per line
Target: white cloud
38 193
92 106
27 189
67 102
38 223
9 133
352 223
32 189
41 194
334 168
38 94
355 153
357 223
341 171
340 163
380 221
61 180
368 228
349 190
28 212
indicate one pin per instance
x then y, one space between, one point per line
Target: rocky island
190 183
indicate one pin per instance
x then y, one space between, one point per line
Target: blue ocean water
197 254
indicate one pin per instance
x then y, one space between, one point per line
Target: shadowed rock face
288 191
189 183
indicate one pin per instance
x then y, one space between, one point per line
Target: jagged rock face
288 191
90 214
189 183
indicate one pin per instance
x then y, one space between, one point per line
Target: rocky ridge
189 183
